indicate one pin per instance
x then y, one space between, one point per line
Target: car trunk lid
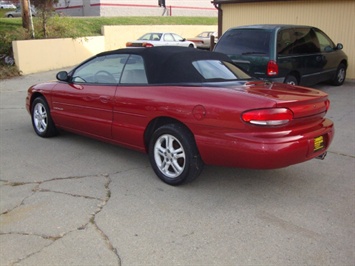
304 102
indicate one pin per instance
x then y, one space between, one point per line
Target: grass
74 27
81 27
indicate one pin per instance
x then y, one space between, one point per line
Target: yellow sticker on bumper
318 143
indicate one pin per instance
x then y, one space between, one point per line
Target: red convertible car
185 108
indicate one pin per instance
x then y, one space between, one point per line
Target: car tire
173 155
41 119
340 75
292 80
191 46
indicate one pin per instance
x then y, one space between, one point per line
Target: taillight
327 105
272 68
268 117
128 44
147 44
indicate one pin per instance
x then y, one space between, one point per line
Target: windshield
245 42
215 70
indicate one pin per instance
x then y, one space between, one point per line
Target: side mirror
339 46
62 76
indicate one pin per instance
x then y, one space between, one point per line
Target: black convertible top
171 64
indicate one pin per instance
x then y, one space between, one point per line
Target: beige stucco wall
41 55
335 18
33 56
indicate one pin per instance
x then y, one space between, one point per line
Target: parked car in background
153 39
185 108
203 40
286 53
7 5
18 13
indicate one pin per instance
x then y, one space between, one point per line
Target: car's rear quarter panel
137 106
221 136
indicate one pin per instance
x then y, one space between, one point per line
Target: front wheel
174 156
41 118
340 75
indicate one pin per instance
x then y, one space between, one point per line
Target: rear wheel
292 80
340 75
173 155
41 118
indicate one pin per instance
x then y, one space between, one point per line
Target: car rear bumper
264 151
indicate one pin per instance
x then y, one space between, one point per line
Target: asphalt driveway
71 200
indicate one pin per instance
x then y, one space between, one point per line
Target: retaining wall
33 56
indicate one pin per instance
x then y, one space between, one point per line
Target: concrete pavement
71 200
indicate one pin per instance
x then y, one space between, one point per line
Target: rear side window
245 42
297 41
134 71
285 42
215 70
151 37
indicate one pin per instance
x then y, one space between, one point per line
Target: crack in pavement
19 260
53 238
341 154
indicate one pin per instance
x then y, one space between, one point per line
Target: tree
44 8
25 14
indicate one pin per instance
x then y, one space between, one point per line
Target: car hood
43 87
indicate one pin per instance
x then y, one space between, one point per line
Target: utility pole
25 14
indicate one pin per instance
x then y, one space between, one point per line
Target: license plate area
318 143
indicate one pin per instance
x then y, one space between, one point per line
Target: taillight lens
272 68
147 44
268 117
128 44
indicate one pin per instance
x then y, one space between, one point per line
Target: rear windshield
215 70
245 42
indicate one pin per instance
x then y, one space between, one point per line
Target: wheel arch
158 122
345 62
294 73
35 96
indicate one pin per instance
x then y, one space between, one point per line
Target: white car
160 39
18 13
6 5
203 40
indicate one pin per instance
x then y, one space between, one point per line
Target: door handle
321 58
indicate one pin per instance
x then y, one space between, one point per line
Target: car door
180 41
330 55
131 100
85 104
306 51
